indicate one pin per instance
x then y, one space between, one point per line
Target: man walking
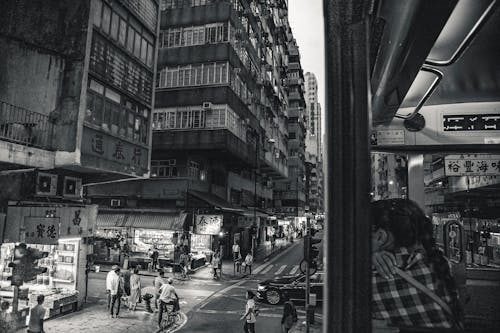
116 291
249 262
36 316
250 313
236 250
109 277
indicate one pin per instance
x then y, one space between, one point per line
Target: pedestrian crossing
273 269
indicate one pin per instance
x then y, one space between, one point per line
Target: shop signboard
472 165
41 230
388 137
208 224
283 222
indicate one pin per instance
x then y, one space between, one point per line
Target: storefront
205 238
61 231
135 233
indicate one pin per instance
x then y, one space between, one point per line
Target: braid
440 265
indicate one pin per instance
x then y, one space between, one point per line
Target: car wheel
273 296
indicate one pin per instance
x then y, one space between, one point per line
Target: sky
306 20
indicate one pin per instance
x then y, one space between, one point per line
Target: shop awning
110 220
215 201
250 213
173 222
145 220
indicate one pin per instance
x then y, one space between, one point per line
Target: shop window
235 197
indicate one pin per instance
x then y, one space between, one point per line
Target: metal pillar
348 230
416 179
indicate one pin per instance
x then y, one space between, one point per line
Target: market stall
60 232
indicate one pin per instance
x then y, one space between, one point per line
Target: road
221 311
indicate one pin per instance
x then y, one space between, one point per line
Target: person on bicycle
168 296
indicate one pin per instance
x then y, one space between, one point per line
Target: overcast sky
306 20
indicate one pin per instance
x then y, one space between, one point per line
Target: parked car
278 290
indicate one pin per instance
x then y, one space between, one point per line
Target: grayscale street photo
255 166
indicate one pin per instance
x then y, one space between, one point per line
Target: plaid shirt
401 304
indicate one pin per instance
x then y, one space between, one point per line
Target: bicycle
172 317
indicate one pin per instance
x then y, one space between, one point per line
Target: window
122 36
164 168
106 19
195 35
190 75
194 170
115 24
98 13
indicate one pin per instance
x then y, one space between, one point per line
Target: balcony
273 166
219 143
25 127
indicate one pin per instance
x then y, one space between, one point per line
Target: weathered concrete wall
42 52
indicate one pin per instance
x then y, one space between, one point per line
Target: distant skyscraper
314 145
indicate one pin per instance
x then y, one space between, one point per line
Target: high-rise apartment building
220 134
314 146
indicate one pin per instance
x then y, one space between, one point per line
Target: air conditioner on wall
46 184
207 106
72 187
116 203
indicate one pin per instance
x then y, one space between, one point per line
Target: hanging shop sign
41 230
208 224
472 165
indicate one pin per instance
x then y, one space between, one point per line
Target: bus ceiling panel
410 30
475 75
463 25
464 125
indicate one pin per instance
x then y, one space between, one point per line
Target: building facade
76 99
314 147
220 135
290 194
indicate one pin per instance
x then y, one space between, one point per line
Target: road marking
240 313
294 269
280 270
268 268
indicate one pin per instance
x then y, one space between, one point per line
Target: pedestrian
153 254
184 261
289 317
215 264
412 283
168 296
135 289
249 262
7 319
109 276
251 312
236 250
157 283
116 290
37 313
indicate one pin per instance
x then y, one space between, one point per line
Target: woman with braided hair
412 281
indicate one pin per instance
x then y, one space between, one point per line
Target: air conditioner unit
207 105
72 187
46 184
116 203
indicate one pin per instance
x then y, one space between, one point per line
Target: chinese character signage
388 137
208 224
41 230
106 152
472 165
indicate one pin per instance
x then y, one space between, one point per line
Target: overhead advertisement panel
472 165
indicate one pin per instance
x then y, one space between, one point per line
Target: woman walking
135 289
251 312
215 264
289 317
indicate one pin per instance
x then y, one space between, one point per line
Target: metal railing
25 127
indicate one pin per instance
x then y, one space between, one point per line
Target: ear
381 238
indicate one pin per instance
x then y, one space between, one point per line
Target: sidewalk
300 327
94 317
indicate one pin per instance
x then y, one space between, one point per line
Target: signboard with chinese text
41 230
472 165
109 153
208 224
388 137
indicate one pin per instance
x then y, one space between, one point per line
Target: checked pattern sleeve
402 305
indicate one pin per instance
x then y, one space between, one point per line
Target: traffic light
18 265
32 269
310 251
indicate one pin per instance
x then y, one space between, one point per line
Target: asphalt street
222 310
